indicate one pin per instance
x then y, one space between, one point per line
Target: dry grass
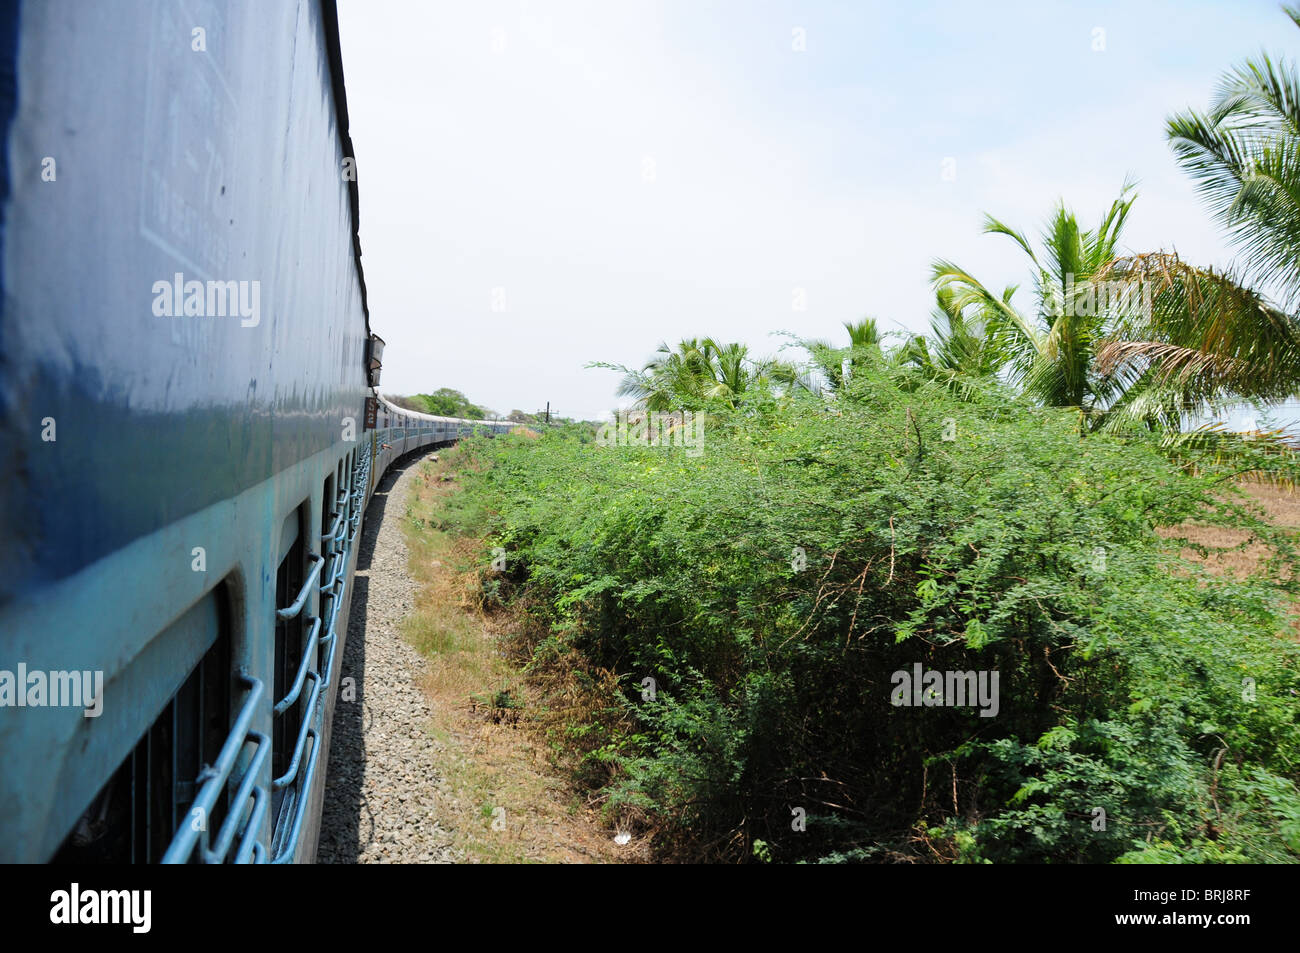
1238 553
1234 551
1281 505
510 795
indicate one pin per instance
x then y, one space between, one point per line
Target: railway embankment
435 760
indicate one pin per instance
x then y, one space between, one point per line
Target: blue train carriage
403 430
187 363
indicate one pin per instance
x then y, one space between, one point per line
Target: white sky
504 145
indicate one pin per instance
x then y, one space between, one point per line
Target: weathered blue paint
178 434
220 165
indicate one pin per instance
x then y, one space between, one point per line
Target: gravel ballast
383 783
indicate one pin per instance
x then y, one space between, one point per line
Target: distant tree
962 343
413 402
865 344
447 402
444 402
696 371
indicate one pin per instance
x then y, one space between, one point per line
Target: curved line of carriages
236 840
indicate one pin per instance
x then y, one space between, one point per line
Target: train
191 426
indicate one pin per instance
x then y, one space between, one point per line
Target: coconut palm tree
696 372
962 343
866 343
864 334
1050 350
668 376
1203 341
1215 335
1131 339
1244 154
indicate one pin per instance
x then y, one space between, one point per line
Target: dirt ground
509 800
1281 507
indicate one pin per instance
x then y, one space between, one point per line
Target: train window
327 502
136 814
289 579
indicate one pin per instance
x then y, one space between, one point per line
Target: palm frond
1203 331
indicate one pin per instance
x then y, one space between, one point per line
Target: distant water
1286 415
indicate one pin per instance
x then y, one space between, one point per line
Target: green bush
1131 681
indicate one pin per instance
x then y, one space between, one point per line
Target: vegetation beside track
510 800
772 586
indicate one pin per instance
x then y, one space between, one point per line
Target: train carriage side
181 428
186 360
400 431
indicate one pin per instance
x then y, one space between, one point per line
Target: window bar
300 807
293 610
304 672
212 781
291 772
134 808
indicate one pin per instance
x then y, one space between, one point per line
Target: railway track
383 784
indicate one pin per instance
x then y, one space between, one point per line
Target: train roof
419 416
